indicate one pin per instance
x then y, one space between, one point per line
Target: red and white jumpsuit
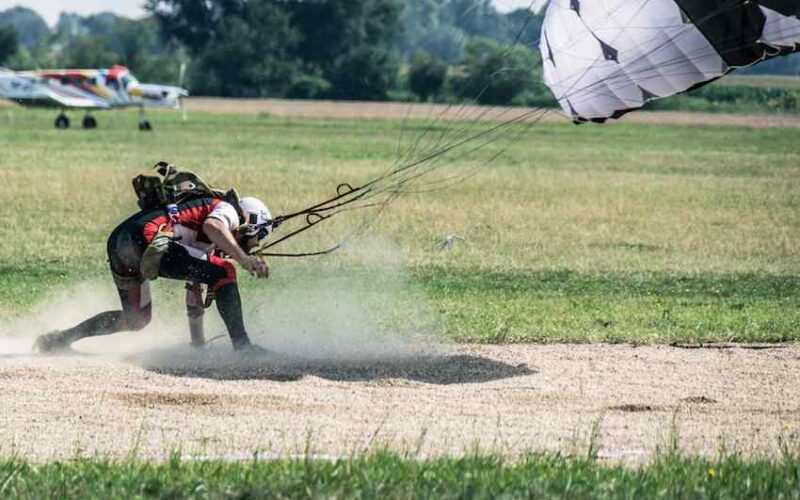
187 259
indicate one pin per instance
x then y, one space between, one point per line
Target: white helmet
256 214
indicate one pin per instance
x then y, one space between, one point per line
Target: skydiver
182 245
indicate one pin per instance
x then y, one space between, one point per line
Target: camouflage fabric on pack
174 186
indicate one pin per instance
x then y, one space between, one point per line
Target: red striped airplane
87 89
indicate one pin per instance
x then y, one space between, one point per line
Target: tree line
407 50
442 50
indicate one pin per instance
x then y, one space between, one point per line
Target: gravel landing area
506 399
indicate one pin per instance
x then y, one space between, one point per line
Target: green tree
240 48
350 43
476 18
251 56
139 47
446 43
420 17
87 51
195 23
31 28
427 76
366 73
496 74
523 27
8 43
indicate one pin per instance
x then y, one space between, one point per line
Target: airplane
88 89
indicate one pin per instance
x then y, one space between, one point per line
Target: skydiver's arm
222 237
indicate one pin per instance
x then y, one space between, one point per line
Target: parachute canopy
603 58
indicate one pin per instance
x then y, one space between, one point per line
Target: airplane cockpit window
112 82
127 80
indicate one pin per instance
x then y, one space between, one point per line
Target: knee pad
230 273
195 311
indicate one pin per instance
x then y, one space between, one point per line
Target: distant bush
308 87
427 76
730 98
496 74
366 73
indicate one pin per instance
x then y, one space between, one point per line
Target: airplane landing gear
62 122
144 125
89 122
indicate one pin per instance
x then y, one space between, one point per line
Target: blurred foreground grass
384 475
617 233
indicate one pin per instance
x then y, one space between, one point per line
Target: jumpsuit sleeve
225 213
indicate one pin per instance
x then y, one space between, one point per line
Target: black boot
229 304
59 341
52 343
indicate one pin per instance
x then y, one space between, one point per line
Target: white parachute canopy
604 58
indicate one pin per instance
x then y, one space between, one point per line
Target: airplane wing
32 91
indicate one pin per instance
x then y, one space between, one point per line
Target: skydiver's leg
220 276
124 253
195 310
135 314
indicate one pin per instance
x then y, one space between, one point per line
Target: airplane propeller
181 103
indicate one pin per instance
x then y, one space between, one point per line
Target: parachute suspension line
450 181
403 174
347 196
407 169
437 148
430 124
446 134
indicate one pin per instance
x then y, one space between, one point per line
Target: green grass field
643 234
595 233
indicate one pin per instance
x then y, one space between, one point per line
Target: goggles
255 230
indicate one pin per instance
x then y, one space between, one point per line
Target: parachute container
604 58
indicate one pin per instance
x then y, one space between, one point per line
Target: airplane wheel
62 122
145 126
89 122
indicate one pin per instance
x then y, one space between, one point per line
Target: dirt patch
155 399
347 110
24 372
699 400
507 399
202 402
635 408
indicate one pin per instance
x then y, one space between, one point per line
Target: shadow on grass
442 369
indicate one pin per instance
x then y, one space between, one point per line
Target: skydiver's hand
255 266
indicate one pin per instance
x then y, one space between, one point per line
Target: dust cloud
356 307
362 309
